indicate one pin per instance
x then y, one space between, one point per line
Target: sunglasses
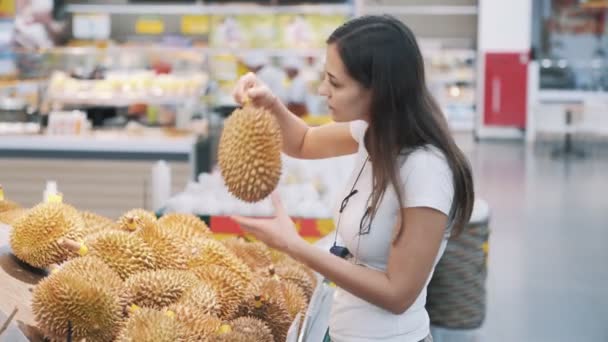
364 225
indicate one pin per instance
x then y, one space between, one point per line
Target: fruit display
249 153
112 280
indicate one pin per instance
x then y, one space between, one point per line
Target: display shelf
421 10
100 142
209 9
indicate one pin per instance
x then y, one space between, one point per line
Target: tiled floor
548 263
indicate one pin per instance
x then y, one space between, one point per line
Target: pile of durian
146 279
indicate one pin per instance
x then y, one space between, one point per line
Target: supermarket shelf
85 99
139 49
209 9
570 96
156 144
421 10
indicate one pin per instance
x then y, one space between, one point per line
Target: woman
410 189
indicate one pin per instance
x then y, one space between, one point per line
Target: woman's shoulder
426 157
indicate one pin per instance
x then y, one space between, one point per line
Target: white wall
504 25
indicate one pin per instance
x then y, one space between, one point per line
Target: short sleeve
427 180
357 130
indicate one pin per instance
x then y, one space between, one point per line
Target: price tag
195 24
149 25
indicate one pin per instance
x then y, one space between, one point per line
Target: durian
170 252
254 254
212 252
148 325
94 223
125 253
199 326
295 299
186 226
135 219
203 298
255 329
230 289
158 289
265 301
34 238
83 293
9 217
297 274
249 153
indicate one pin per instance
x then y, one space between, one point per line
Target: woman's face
347 99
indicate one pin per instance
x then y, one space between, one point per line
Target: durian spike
212 252
199 326
253 328
295 299
186 226
204 298
255 254
159 289
299 275
147 325
229 288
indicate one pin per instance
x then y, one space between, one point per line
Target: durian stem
69 244
52 268
8 320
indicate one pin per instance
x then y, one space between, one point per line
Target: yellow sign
7 8
195 24
147 25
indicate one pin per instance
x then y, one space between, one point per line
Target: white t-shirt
427 182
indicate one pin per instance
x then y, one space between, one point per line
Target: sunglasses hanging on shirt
364 226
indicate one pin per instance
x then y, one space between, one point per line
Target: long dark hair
382 54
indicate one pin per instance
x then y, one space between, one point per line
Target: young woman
410 189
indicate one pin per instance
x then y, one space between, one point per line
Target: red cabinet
505 89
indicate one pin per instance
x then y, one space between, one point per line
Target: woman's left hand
278 232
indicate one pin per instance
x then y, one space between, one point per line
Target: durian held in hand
249 153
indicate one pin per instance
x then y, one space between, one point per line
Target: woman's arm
299 140
410 261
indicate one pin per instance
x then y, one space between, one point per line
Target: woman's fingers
243 85
277 203
252 224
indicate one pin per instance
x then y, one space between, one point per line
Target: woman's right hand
250 88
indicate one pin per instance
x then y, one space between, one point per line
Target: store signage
195 24
149 25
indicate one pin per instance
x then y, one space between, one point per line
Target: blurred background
120 104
